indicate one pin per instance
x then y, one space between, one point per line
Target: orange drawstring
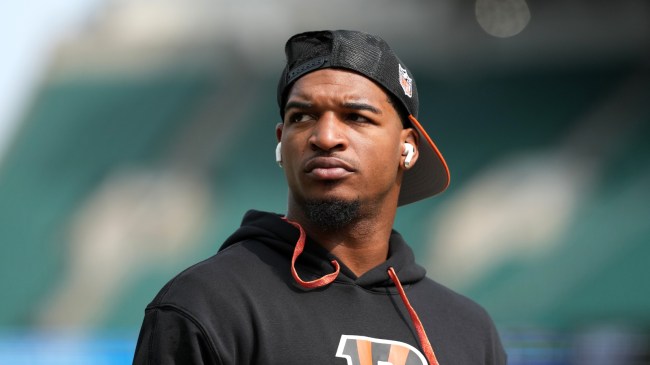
419 328
300 246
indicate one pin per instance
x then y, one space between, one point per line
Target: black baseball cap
370 56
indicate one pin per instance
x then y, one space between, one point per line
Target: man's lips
328 168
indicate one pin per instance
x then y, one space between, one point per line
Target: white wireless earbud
278 154
409 152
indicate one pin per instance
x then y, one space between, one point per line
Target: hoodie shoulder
237 268
455 320
444 298
210 298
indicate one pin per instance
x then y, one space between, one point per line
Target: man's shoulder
446 299
220 277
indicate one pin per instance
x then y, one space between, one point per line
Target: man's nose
328 133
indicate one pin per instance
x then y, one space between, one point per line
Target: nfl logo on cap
405 81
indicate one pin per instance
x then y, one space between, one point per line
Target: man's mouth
328 168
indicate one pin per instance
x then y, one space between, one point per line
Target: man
330 282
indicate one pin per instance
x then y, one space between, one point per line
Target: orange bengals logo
360 350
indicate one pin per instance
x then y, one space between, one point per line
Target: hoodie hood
272 230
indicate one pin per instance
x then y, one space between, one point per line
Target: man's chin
332 213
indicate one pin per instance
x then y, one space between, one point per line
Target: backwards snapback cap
371 57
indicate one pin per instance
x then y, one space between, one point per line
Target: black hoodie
242 306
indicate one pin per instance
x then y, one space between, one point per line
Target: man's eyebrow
349 105
362 106
297 105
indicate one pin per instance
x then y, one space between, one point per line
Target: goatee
332 214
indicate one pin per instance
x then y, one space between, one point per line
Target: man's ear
278 131
410 136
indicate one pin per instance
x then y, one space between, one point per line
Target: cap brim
430 174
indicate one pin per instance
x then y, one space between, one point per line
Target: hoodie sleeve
496 354
170 336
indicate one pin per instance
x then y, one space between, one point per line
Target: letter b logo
360 350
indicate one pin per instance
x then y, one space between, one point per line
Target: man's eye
300 117
354 117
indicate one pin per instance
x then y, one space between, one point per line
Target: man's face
342 139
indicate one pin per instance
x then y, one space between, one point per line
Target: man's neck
361 245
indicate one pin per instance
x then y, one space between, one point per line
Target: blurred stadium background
135 134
